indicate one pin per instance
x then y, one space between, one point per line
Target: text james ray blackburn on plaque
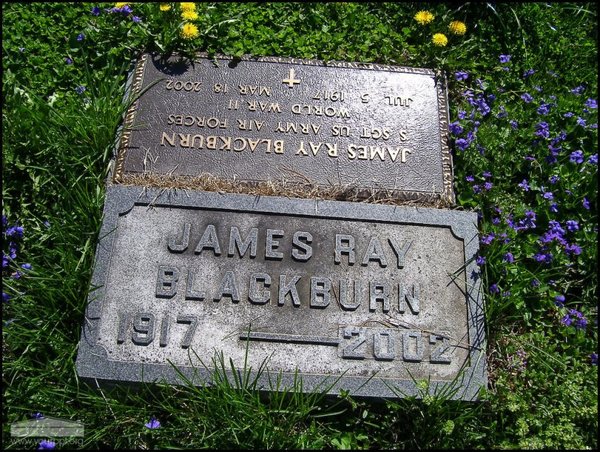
362 295
354 125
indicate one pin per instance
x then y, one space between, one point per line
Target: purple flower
15 231
508 257
548 195
535 282
68 60
37 416
136 19
578 317
514 124
591 103
554 207
488 186
461 75
526 97
487 174
594 359
480 260
80 89
476 188
528 72
573 248
576 157
455 128
593 160
26 266
559 300
95 11
543 109
572 225
495 220
581 121
554 179
578 90
470 178
524 185
541 130
480 104
494 288
153 423
46 445
5 297
80 37
586 203
555 226
487 239
543 258
462 144
504 58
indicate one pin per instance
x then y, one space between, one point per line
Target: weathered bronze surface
340 124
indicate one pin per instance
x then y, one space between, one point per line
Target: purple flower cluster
125 10
10 236
527 98
525 223
576 157
542 130
481 103
575 318
455 128
461 75
556 233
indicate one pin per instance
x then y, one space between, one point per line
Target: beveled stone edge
120 200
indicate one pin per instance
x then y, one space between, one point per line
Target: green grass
56 146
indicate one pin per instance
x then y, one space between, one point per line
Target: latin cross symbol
291 81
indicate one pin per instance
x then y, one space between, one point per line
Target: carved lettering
228 288
166 281
379 292
254 295
285 289
320 292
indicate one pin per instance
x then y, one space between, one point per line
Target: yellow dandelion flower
189 31
457 27
424 17
165 7
189 15
121 4
188 6
439 39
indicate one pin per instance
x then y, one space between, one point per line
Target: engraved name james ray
342 124
368 294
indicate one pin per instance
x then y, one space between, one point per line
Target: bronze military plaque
335 124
